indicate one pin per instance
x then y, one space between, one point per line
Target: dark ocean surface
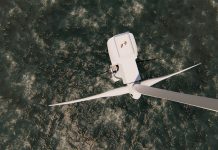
55 50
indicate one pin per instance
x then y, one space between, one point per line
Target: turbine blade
114 92
198 101
153 81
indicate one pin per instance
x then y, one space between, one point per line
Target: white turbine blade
198 101
153 81
114 92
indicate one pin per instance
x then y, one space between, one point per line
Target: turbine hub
134 94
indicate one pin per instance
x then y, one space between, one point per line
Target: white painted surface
123 52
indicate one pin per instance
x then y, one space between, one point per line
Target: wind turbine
123 53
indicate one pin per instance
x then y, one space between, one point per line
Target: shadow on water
52 51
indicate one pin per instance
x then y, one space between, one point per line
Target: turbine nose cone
134 94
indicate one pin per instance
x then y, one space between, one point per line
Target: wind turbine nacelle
123 52
122 46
